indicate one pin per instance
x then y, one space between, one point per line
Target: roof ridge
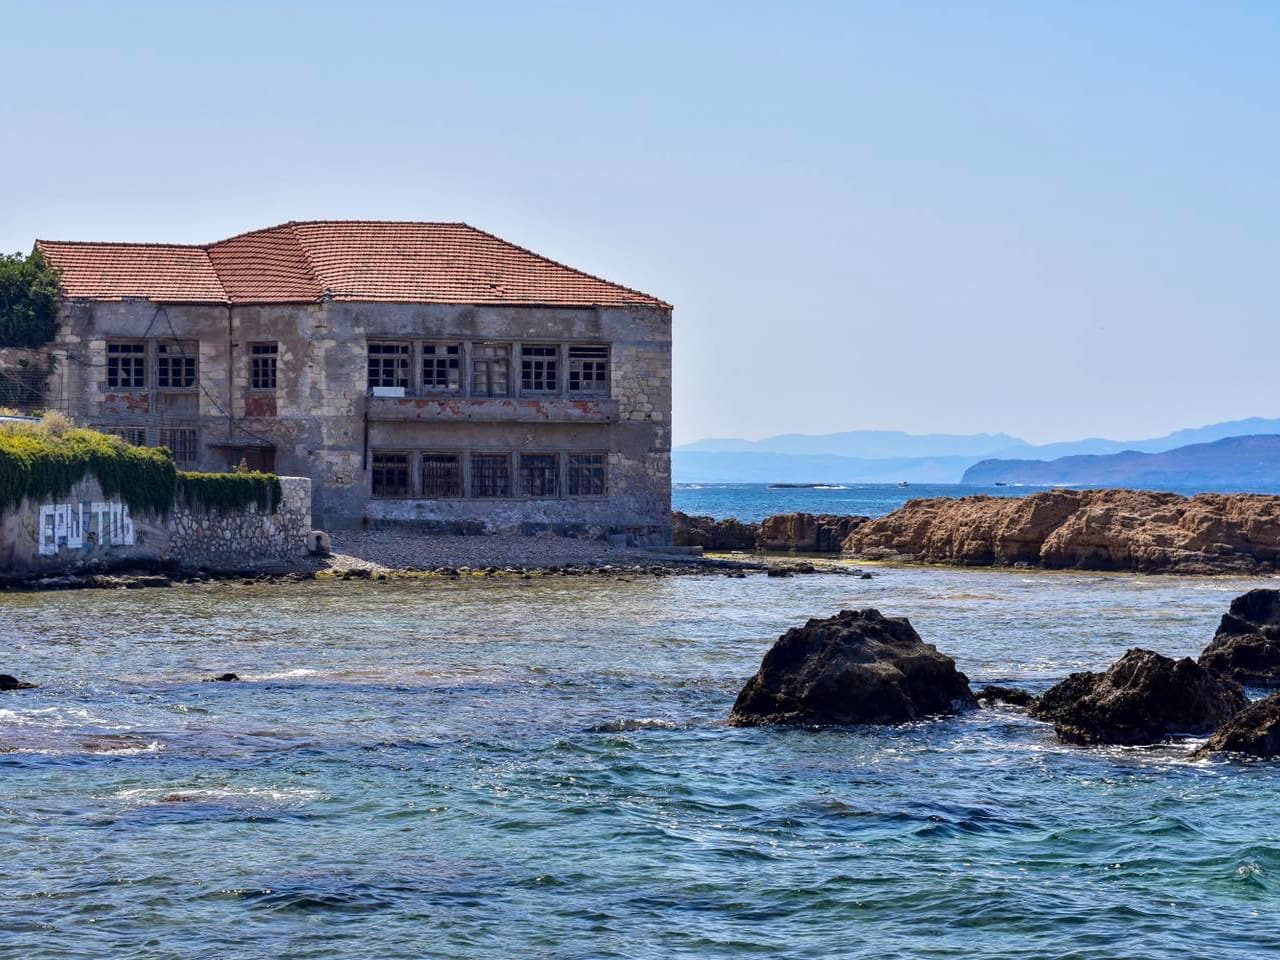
306 256
124 243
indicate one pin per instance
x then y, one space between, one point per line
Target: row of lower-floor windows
183 442
435 475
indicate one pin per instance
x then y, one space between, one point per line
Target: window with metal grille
126 365
176 365
539 369
489 368
441 476
181 442
262 365
586 474
538 475
390 475
490 475
388 365
441 367
589 370
133 435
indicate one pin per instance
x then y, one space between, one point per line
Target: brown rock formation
807 532
1082 529
711 533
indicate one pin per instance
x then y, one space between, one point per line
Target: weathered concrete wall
323 424
86 529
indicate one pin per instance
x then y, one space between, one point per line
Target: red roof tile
352 260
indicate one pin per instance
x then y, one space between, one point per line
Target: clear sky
1051 219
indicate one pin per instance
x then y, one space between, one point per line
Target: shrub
229 492
28 300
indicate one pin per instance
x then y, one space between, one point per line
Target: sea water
495 767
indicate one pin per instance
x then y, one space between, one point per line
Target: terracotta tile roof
352 260
109 271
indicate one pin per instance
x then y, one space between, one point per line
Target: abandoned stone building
414 371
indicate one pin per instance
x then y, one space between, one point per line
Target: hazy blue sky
1052 219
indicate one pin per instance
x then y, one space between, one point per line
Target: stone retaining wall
85 530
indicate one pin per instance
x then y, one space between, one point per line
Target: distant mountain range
887 456
1246 462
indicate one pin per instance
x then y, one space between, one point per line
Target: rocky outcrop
713 534
856 667
1082 529
1142 698
222 678
8 682
1246 647
1254 730
1010 695
807 532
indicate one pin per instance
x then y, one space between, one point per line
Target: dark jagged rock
712 534
1142 698
856 667
222 678
1246 647
1010 695
1254 730
8 682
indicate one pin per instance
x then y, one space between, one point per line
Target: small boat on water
1001 483
903 483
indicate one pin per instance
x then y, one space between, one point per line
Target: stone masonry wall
85 529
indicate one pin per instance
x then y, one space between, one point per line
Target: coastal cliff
1082 529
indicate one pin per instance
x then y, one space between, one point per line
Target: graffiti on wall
75 526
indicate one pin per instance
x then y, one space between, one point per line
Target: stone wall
85 530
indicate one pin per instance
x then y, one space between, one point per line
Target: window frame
606 381
181 358
478 357
135 358
524 486
403 353
374 467
433 363
541 367
165 438
256 358
474 475
459 457
569 475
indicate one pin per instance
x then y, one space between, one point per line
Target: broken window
127 365
490 475
539 369
489 367
441 367
586 474
137 436
262 365
182 443
391 475
589 369
176 365
538 475
441 476
388 365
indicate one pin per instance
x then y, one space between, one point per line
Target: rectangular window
262 365
441 367
490 475
388 365
176 365
441 476
137 436
181 442
127 365
539 475
589 370
586 474
539 369
489 368
391 475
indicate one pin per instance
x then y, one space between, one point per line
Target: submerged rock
1010 695
856 667
8 682
1142 698
222 678
1254 730
1246 647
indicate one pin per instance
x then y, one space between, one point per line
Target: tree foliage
28 300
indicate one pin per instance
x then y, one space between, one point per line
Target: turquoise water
755 501
518 768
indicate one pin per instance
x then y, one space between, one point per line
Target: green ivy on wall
230 492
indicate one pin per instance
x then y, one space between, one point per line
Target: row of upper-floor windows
175 365
479 369
486 369
452 474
